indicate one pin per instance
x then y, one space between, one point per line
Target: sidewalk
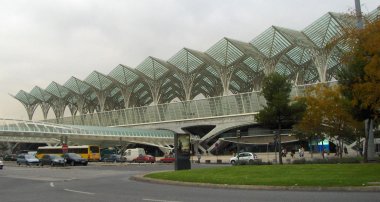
265 157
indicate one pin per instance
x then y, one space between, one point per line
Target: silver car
27 160
244 157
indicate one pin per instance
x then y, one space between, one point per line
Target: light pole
238 136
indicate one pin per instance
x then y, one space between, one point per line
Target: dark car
53 160
10 157
144 159
114 158
75 159
167 159
27 159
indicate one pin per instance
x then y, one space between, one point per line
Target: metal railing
214 107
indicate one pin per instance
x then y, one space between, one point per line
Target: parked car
74 159
114 158
144 159
1 164
27 160
10 157
244 157
53 160
167 159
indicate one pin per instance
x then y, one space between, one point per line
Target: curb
142 178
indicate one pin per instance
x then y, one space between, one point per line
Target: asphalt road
98 182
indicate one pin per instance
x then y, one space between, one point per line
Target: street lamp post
238 136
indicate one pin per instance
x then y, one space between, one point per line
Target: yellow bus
90 152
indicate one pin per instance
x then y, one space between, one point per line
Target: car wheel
18 163
42 164
1 167
72 163
251 162
85 164
233 162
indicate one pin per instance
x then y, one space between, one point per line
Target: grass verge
324 175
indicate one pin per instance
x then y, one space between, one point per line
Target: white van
131 154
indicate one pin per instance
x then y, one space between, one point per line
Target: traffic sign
65 148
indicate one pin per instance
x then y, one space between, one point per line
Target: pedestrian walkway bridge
39 132
152 125
209 108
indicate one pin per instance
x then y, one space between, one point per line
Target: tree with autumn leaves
360 79
327 116
338 112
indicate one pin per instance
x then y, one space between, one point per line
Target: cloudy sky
51 40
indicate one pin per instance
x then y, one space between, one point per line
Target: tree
278 112
360 79
327 115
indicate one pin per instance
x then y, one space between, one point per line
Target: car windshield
74 155
29 157
55 157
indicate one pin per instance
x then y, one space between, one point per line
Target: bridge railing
246 103
214 107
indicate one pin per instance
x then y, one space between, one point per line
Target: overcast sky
49 40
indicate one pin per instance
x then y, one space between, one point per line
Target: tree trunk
369 141
279 142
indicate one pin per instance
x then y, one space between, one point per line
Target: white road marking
157 200
51 184
80 192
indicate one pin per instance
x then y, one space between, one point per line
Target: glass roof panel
152 68
298 55
115 91
57 90
253 64
270 42
138 87
327 28
212 71
374 15
40 94
76 85
92 96
98 80
225 52
282 69
123 75
185 61
295 37
241 75
235 85
25 98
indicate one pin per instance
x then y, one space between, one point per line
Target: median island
305 175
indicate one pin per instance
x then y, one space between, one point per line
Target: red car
168 159
144 159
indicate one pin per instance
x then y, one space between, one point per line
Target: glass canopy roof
229 65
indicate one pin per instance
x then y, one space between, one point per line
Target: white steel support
269 65
30 110
101 95
320 58
126 92
45 109
155 89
